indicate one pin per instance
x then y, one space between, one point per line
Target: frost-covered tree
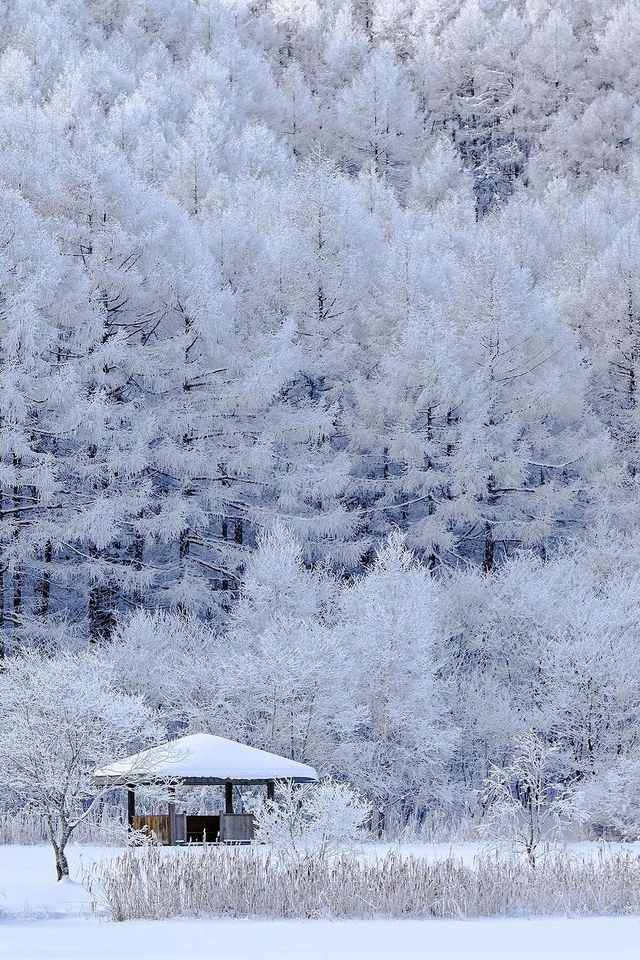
59 720
547 645
376 117
396 741
522 797
234 329
608 803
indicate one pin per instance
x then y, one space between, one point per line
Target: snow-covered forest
320 379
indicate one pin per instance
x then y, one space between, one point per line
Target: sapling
522 797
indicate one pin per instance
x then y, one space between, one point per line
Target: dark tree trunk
488 558
45 585
17 573
102 617
2 573
62 865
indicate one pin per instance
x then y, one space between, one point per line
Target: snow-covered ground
43 920
28 887
585 939
467 850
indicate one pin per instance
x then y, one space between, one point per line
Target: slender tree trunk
224 533
17 571
238 531
101 609
488 557
45 585
62 864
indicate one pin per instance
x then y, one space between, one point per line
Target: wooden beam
228 798
271 790
194 781
131 805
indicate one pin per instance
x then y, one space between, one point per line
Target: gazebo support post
271 790
131 805
228 798
172 815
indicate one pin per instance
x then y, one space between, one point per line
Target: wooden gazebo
200 760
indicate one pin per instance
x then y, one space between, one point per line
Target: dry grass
218 881
105 826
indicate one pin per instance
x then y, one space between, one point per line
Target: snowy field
586 939
43 920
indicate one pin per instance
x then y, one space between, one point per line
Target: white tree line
477 696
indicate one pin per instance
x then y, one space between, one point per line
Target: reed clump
153 883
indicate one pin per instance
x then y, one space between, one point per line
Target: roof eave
142 781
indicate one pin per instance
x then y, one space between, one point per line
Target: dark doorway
203 829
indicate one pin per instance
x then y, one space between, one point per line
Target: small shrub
313 818
610 802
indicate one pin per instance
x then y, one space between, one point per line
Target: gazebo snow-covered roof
202 760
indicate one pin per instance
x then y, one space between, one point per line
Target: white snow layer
205 756
553 939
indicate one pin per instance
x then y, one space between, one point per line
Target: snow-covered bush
610 802
312 819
